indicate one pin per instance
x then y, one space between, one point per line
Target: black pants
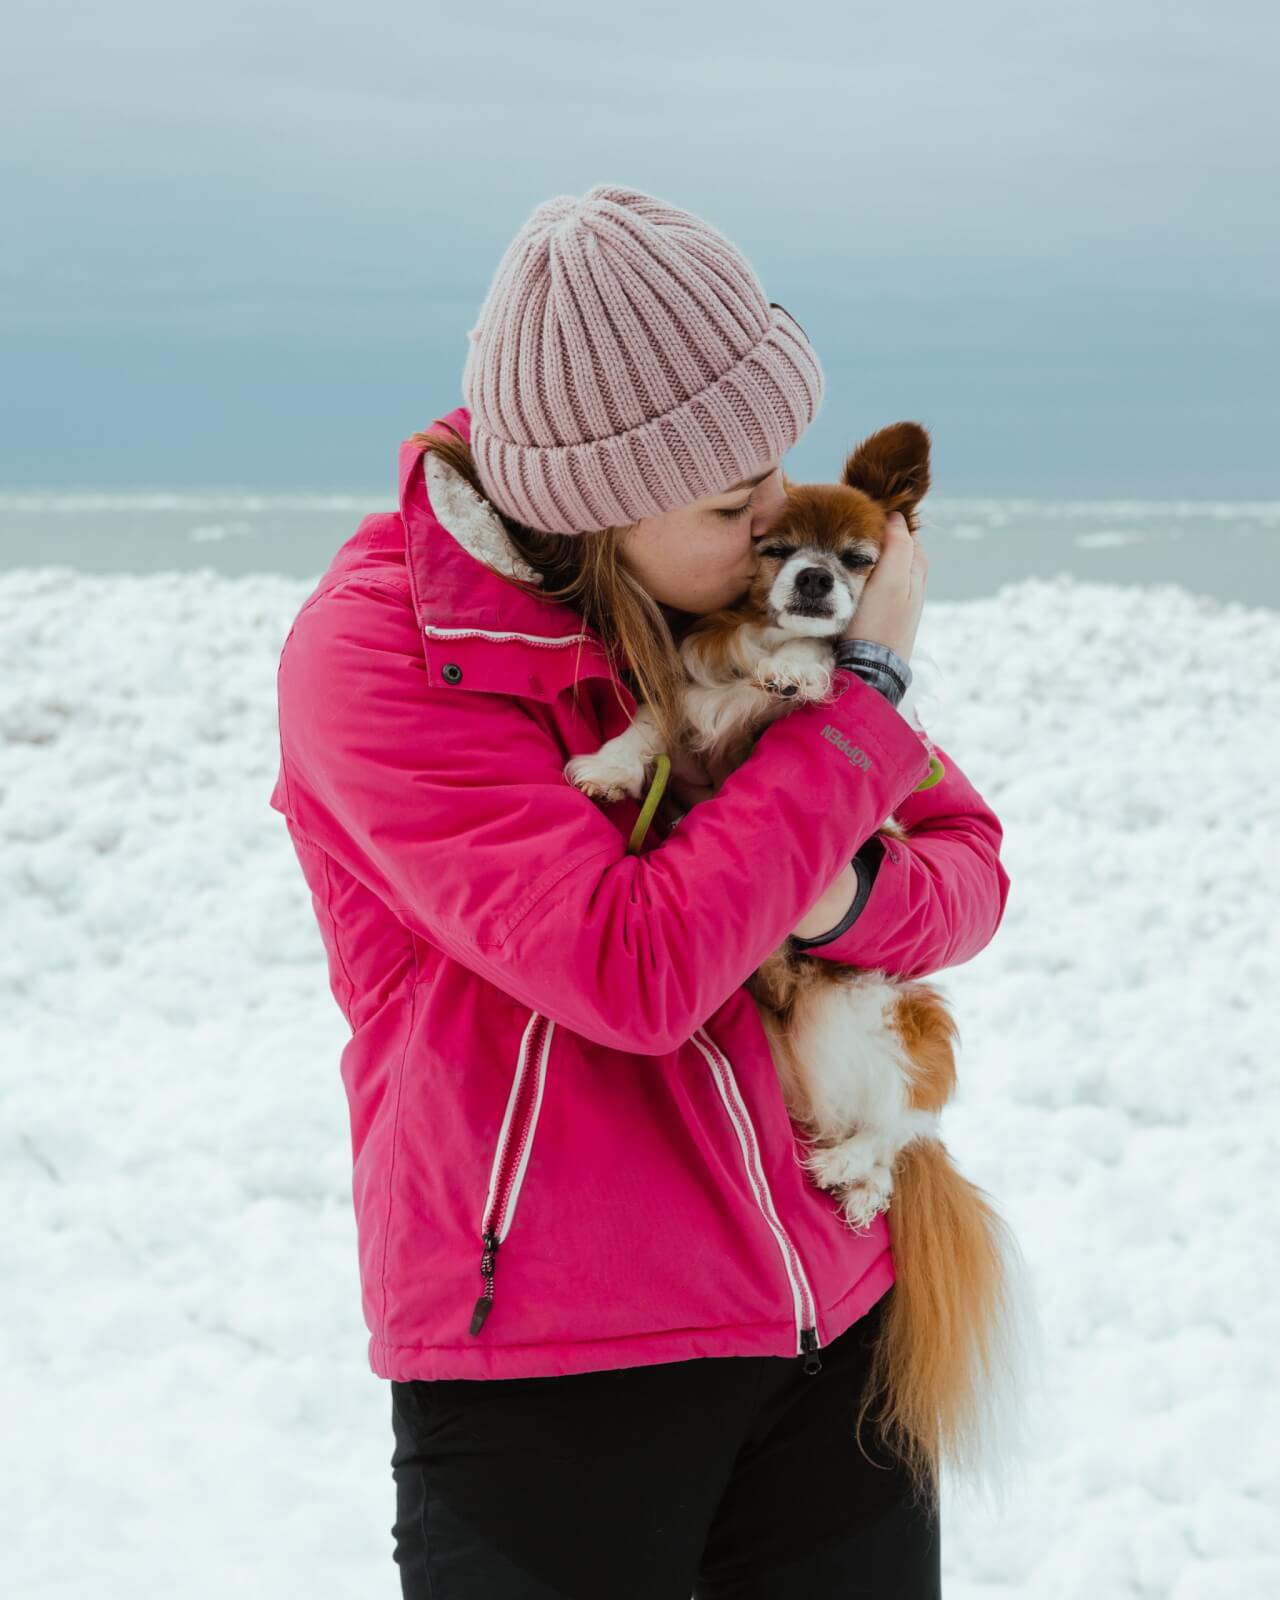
721 1478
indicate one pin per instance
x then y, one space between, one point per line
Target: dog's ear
892 466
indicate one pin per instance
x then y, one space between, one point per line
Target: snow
188 1407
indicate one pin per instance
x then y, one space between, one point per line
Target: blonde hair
586 572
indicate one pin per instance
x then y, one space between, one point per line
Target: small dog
865 1060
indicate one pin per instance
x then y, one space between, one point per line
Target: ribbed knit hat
625 362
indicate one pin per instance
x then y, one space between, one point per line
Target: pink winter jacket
570 1147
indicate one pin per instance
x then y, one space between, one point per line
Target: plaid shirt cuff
876 664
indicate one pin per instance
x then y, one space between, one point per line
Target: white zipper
515 1144
805 1308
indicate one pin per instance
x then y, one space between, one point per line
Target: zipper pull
485 1303
809 1344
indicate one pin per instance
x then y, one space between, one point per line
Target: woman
625 1337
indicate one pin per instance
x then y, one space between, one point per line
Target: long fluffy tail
960 1337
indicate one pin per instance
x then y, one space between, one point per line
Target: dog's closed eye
774 549
857 560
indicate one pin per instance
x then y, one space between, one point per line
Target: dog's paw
862 1183
793 676
606 777
862 1202
833 1166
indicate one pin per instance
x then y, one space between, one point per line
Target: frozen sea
1227 549
187 1404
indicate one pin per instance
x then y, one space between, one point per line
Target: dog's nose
813 582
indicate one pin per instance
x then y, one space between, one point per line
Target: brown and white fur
865 1060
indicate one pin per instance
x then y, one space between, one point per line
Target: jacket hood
491 634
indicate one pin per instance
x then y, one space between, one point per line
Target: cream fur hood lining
473 522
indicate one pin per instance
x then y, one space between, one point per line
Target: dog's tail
959 1337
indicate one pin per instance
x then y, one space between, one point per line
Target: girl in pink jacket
625 1335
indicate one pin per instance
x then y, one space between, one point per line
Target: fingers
893 568
902 555
898 542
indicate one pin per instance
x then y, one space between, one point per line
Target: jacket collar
491 635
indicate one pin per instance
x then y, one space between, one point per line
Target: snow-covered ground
187 1406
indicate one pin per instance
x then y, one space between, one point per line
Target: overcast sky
244 241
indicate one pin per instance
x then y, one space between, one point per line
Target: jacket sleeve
932 900
452 806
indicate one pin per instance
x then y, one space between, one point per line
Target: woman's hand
827 912
892 598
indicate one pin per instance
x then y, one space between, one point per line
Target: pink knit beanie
625 362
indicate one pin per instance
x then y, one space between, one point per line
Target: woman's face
699 557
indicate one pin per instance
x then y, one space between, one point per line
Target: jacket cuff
866 864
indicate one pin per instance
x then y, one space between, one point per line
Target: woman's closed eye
737 511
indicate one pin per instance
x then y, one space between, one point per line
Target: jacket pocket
511 1157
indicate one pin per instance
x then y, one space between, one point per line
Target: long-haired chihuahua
865 1059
